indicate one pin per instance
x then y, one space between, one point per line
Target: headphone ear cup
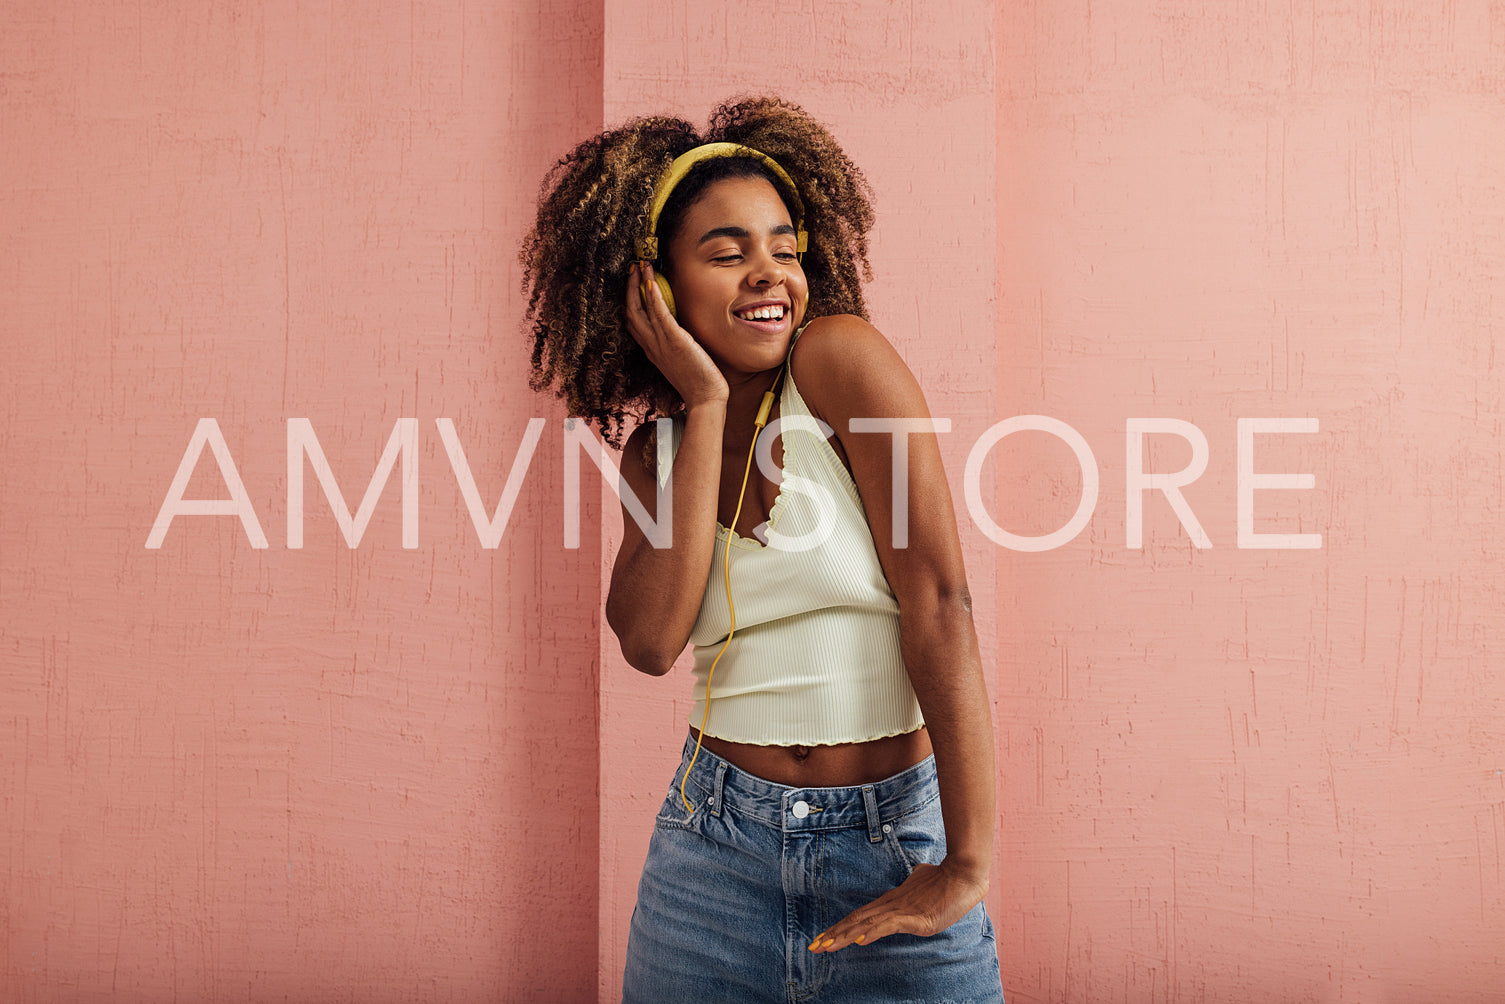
663 287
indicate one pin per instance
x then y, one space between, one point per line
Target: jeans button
801 809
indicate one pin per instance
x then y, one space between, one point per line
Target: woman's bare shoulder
844 366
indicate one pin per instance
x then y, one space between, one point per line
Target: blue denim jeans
733 893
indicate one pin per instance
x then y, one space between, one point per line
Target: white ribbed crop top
815 658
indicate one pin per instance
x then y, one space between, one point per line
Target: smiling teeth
774 313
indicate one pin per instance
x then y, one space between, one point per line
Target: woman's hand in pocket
932 899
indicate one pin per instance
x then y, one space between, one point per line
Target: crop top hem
901 731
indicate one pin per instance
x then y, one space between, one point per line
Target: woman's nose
768 271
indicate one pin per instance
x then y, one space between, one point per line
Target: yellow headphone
683 164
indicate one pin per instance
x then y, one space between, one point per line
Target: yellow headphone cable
726 566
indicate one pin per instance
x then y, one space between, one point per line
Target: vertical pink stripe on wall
1254 774
324 774
907 91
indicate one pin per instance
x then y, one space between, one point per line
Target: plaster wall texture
336 773
360 771
1236 774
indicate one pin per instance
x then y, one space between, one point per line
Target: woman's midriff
839 766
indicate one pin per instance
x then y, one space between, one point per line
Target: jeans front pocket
673 815
918 838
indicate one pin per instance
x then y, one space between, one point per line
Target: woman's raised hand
670 347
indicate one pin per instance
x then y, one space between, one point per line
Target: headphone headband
685 162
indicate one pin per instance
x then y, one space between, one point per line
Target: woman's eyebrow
741 232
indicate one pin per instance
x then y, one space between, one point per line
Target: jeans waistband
871 806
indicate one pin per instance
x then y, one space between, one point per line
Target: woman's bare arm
846 369
656 592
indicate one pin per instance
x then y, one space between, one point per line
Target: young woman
829 832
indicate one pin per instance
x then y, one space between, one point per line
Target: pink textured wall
325 774
1236 774
389 773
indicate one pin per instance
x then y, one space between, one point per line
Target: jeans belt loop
870 803
716 789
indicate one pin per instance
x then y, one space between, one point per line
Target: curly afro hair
593 208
